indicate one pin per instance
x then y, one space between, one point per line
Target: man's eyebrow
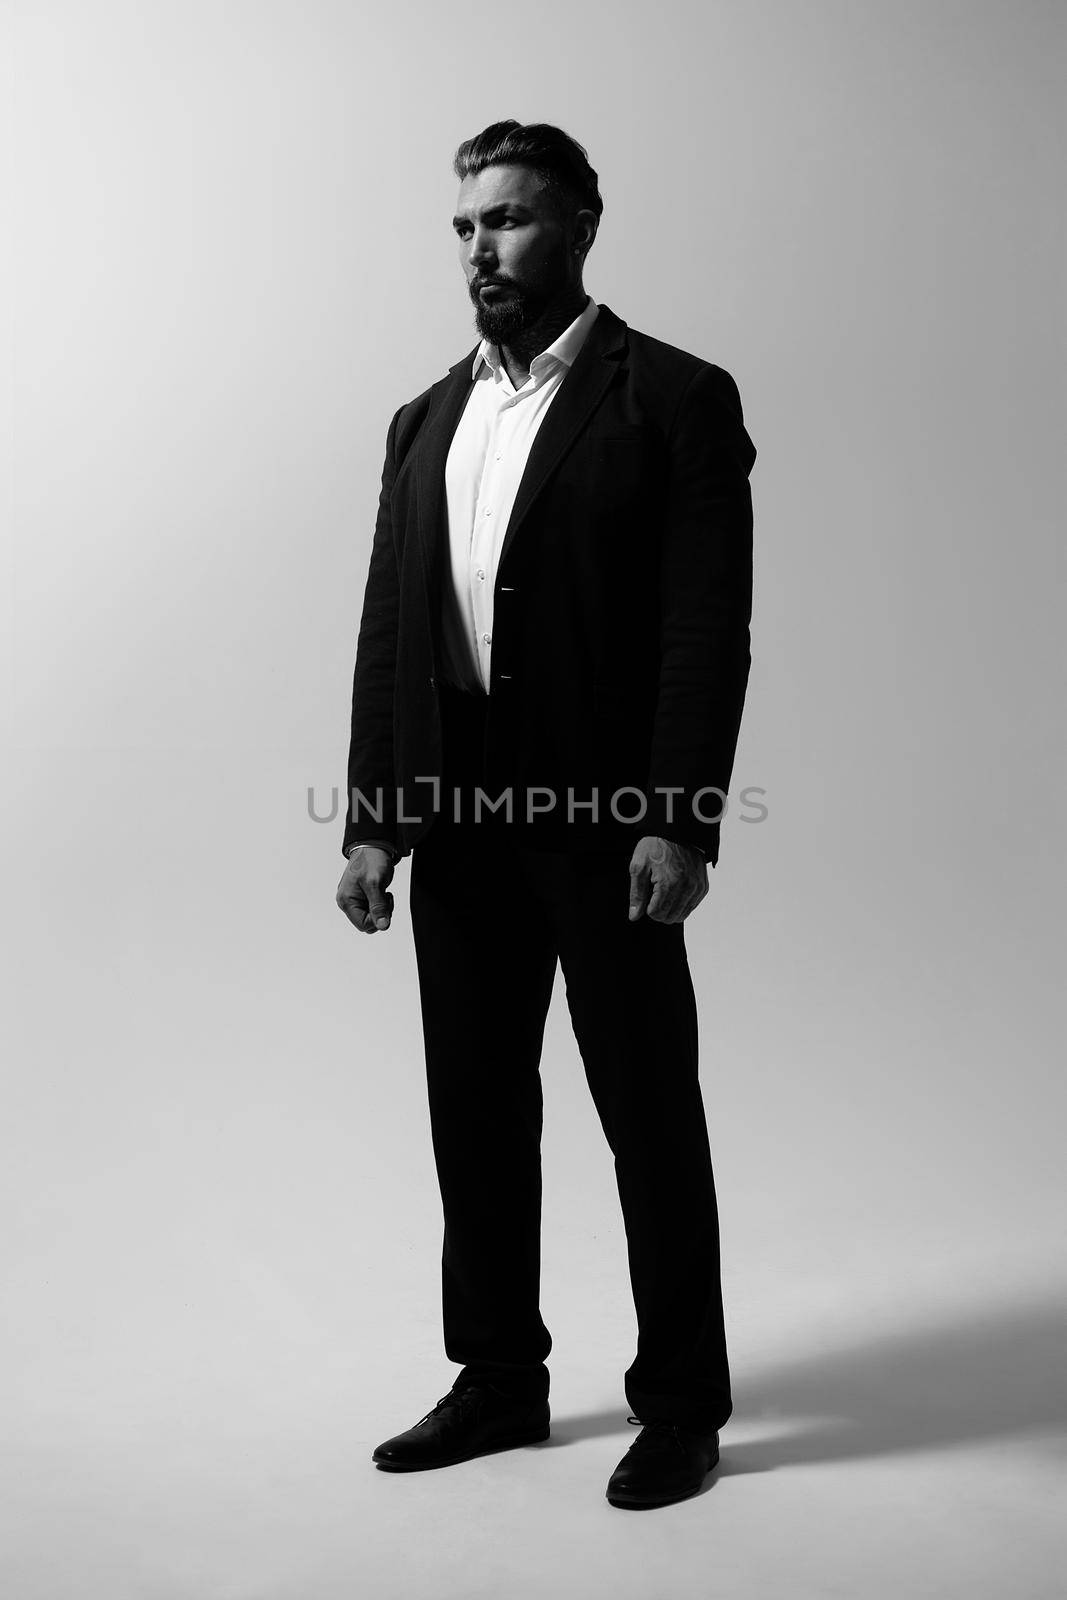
501 205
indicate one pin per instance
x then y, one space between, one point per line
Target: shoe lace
466 1399
656 1435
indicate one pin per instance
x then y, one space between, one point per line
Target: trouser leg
634 1015
486 962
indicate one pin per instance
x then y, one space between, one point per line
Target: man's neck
555 319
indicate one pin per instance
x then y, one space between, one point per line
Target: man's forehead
496 186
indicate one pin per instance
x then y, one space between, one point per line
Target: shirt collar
563 349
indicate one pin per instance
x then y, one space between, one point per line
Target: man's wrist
376 844
688 844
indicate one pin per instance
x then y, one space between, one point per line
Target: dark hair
558 160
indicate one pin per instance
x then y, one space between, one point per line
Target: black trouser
490 919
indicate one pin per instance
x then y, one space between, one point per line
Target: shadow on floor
986 1373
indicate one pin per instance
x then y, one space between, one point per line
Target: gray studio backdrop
231 261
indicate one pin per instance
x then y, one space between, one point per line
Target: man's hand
361 893
667 880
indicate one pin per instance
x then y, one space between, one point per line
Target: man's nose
480 253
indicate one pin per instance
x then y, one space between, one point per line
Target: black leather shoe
665 1463
472 1421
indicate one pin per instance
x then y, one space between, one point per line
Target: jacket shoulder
687 386
407 420
670 370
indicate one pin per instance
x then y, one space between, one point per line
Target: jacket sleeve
705 607
371 789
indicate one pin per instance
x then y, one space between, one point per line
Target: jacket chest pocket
616 470
620 440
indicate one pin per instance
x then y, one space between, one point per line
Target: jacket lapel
447 399
579 394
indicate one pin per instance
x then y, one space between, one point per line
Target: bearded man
549 680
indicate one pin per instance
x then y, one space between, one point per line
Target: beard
499 318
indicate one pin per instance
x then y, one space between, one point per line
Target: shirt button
489 511
487 638
481 574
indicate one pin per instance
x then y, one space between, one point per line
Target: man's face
510 236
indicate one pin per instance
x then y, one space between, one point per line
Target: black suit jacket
622 606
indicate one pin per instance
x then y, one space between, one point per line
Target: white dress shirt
485 464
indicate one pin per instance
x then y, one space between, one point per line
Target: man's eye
507 222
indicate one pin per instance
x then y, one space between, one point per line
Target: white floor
222 1237
865 1458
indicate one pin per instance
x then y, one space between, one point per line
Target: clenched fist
667 880
362 892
